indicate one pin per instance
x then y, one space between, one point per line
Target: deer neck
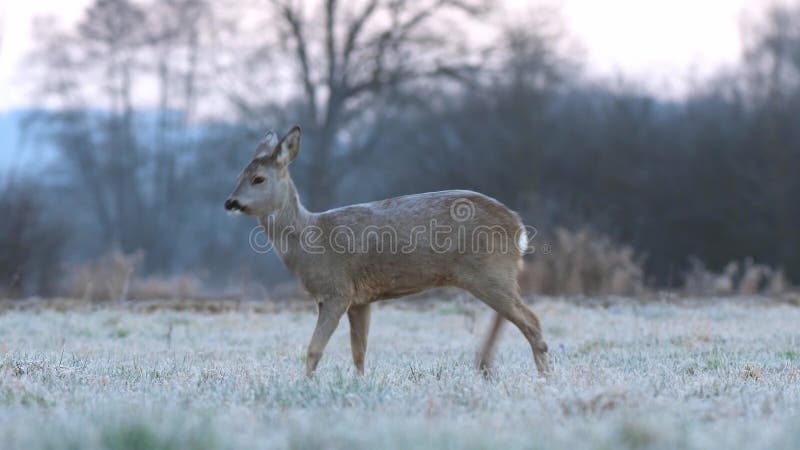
283 227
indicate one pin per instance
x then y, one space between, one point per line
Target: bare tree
111 36
174 35
772 60
772 71
347 59
130 176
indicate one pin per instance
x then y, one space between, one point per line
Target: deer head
264 186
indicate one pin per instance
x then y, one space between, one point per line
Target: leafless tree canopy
349 62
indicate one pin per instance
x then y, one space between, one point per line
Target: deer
350 257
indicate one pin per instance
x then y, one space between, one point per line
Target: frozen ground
721 375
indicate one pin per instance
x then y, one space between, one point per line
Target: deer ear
287 149
271 138
266 145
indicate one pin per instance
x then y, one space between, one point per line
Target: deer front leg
358 315
330 311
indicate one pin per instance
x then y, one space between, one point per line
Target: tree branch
301 51
353 34
330 42
393 37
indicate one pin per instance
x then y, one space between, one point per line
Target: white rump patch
522 242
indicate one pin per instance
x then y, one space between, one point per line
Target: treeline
393 99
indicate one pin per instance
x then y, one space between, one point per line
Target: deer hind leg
487 350
330 312
504 298
358 316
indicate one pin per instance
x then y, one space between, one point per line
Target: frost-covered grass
716 375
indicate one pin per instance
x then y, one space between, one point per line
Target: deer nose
232 205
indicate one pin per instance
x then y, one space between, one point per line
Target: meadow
719 373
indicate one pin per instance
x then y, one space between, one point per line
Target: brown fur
402 262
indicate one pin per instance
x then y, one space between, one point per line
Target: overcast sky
659 42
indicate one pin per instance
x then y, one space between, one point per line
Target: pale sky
660 43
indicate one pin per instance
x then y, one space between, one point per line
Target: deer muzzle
233 205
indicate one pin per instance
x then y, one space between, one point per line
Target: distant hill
16 153
9 136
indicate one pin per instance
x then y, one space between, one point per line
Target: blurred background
653 144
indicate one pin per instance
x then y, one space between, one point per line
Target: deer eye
257 179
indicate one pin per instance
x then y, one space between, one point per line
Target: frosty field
710 374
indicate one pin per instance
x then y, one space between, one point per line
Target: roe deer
449 238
